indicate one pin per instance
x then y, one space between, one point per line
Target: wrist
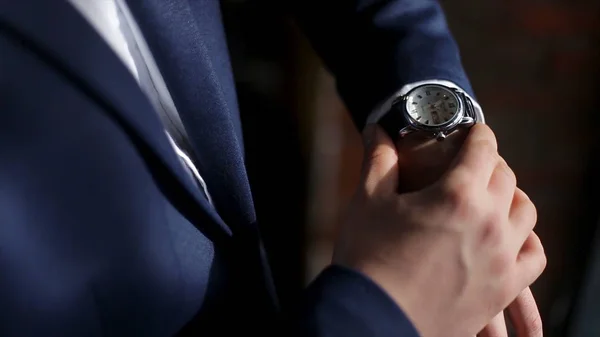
385 106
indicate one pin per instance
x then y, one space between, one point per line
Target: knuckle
492 232
463 205
521 197
508 172
532 217
542 263
485 132
528 204
487 148
459 194
538 263
528 211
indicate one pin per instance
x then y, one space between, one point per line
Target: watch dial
432 105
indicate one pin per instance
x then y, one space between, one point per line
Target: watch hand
433 106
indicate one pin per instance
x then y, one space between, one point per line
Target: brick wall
534 66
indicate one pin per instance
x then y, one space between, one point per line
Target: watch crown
440 136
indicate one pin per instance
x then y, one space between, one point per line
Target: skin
448 244
421 163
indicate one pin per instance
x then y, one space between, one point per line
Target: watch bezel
450 124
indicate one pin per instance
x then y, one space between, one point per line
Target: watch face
432 105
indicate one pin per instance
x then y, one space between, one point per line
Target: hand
422 162
452 255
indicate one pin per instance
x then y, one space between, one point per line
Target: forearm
373 48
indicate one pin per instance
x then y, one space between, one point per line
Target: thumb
380 161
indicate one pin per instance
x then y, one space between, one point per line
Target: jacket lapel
188 43
54 29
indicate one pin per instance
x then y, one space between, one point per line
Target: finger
380 163
496 328
523 214
531 260
477 158
525 316
502 184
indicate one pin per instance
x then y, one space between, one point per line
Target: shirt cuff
385 106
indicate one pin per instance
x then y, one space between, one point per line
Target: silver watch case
465 116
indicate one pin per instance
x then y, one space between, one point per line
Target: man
126 209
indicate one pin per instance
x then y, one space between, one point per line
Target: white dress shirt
114 22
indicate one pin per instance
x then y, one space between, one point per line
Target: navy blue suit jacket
102 232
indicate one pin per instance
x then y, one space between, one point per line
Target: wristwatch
433 109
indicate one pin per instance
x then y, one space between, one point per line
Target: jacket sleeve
344 303
374 47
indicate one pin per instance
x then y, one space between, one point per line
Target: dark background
534 66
